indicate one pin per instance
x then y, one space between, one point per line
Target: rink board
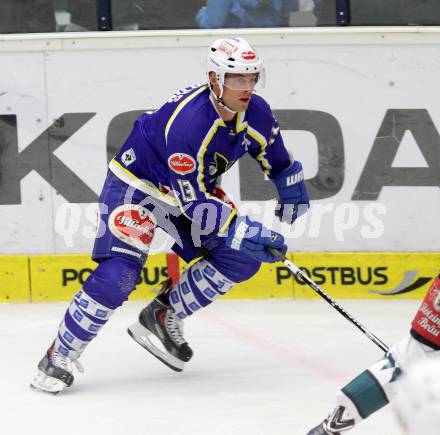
367 135
58 277
354 275
14 278
368 275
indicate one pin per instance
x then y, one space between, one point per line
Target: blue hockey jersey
177 153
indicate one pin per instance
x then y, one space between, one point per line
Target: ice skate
160 332
334 424
55 372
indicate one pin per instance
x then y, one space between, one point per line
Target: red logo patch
248 55
133 224
181 163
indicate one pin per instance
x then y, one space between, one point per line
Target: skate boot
160 332
55 372
333 424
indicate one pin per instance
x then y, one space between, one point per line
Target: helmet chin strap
219 98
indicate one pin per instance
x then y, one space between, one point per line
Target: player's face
238 89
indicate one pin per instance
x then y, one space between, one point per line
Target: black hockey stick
298 272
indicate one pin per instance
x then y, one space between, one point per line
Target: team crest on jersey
128 157
220 165
248 55
181 163
133 224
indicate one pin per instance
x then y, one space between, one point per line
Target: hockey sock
198 286
370 391
82 321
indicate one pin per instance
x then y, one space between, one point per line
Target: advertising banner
343 275
363 119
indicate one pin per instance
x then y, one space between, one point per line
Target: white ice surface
260 368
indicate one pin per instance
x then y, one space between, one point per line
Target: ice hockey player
166 175
376 386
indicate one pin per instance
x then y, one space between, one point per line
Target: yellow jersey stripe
263 143
228 221
201 154
201 167
240 126
144 186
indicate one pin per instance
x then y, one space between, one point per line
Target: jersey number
188 193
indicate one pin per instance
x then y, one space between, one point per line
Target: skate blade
143 336
47 384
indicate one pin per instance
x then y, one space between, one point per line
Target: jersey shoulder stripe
180 106
201 154
261 156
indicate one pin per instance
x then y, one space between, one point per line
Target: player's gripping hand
254 239
294 199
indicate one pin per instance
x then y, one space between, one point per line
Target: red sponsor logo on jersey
133 224
427 320
181 163
248 55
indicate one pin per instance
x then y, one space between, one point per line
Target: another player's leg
198 286
373 388
376 386
364 395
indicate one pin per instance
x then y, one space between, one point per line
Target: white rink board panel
27 224
360 90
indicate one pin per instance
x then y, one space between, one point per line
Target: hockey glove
254 239
294 199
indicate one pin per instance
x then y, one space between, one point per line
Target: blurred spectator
26 16
245 13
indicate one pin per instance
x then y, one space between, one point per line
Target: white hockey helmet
236 56
418 400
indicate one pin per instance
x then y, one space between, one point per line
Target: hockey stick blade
299 273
